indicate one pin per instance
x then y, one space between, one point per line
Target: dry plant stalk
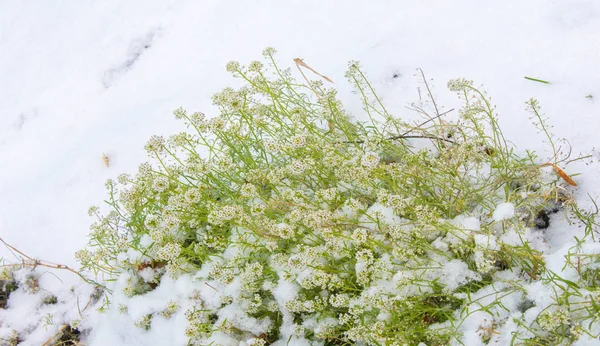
28 261
560 173
57 335
300 63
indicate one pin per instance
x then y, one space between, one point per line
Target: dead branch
34 263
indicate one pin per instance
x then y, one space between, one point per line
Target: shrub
309 225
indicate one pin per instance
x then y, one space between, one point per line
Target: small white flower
198 119
160 184
327 195
170 221
271 146
360 235
124 179
269 51
459 84
255 66
144 322
256 342
169 252
232 66
297 167
370 160
193 195
248 190
298 141
258 209
216 124
339 300
156 144
83 256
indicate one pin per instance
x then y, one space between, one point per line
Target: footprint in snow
137 48
23 118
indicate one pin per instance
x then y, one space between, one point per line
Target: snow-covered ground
79 79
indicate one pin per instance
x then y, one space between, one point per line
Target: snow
456 273
504 211
233 313
87 78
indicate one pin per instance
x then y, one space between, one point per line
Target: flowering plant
297 224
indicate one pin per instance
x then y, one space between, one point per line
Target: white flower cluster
161 184
156 144
298 141
370 160
298 167
144 322
248 190
459 84
171 309
271 146
551 319
198 322
223 214
169 252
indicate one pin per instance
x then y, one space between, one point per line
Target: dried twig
56 335
207 284
34 263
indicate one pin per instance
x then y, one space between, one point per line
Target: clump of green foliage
330 229
8 284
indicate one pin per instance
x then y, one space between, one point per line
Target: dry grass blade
65 335
560 173
57 335
299 62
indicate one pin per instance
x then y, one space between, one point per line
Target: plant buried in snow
333 229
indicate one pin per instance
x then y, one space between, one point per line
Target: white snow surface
504 211
84 78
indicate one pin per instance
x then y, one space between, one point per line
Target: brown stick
34 263
56 335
